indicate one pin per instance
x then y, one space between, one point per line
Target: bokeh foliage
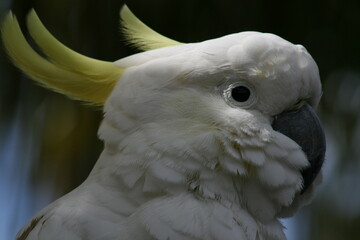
56 137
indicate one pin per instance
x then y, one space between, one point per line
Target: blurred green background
48 144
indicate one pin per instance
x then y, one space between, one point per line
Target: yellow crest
66 71
140 35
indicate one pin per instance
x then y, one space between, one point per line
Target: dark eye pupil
240 93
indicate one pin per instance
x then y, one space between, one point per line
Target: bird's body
186 156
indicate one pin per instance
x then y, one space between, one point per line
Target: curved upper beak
304 127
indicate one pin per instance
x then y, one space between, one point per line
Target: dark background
48 144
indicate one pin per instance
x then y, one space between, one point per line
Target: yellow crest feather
140 35
66 71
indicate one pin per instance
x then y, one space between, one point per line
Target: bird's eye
240 93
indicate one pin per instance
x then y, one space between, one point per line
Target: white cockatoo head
229 119
212 104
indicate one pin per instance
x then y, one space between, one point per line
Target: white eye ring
239 94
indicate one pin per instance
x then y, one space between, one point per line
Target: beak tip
304 127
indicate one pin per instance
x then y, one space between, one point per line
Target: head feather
66 71
140 35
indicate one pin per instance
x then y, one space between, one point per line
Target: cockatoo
209 140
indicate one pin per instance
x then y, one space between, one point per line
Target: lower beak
303 126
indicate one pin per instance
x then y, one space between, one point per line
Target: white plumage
182 158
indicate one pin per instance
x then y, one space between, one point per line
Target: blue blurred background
48 144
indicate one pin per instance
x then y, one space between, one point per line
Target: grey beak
304 127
